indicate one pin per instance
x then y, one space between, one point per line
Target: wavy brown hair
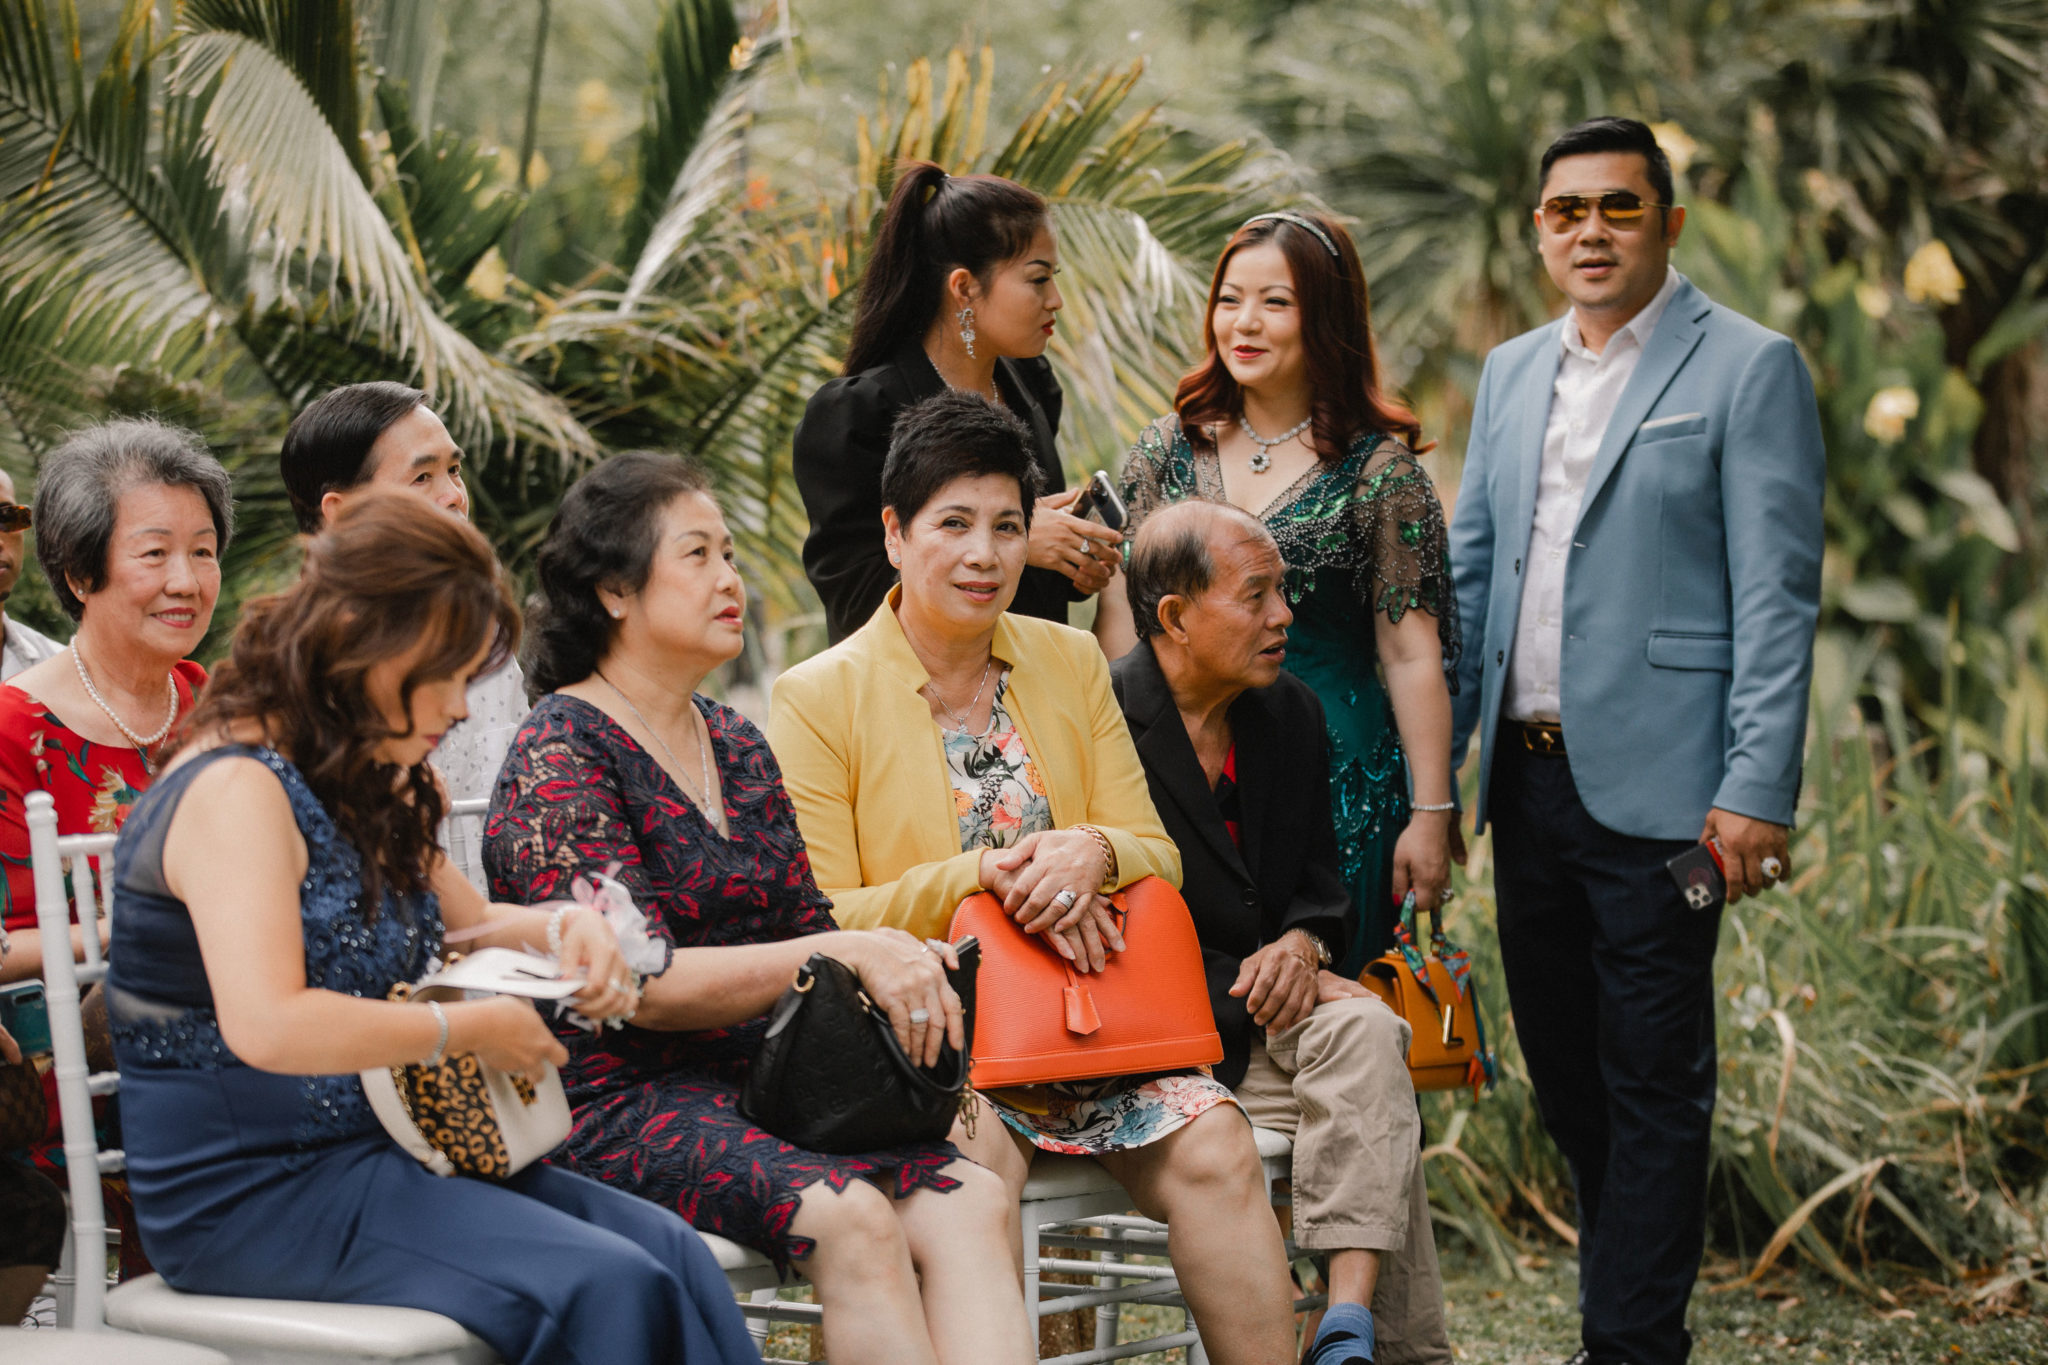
391 576
1336 336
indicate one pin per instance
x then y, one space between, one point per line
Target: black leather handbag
831 1077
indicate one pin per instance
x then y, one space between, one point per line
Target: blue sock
1345 1336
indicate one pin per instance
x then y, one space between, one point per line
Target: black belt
1541 737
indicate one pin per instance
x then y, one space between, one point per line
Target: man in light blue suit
1637 547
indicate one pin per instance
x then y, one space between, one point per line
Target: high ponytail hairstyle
1336 339
935 223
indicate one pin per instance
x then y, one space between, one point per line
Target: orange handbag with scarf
1038 1020
1434 992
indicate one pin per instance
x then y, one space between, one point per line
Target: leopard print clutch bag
460 1117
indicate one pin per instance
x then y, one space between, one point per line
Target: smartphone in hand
1099 501
1700 876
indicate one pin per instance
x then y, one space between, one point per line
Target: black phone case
1698 877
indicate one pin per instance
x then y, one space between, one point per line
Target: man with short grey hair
20 646
1235 754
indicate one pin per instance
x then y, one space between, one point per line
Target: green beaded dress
1362 535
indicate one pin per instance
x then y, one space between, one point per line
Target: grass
1808 1318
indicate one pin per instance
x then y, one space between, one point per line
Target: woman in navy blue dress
271 887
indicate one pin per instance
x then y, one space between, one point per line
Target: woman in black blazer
959 292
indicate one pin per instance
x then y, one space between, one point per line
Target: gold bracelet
1109 882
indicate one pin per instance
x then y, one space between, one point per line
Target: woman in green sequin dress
1284 418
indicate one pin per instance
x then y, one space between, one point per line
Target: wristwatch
1322 949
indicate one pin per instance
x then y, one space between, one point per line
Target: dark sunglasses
13 517
1621 208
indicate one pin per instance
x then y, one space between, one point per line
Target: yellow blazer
865 766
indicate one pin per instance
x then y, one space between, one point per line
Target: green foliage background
632 223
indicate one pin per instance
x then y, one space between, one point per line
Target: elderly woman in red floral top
131 518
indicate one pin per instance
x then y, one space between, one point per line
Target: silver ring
920 1016
1065 900
1773 868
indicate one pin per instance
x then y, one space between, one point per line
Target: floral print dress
657 1113
93 785
1000 798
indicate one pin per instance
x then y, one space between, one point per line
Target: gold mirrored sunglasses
13 517
1621 208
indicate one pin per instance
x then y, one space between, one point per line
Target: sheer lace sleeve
1399 524
558 812
1152 476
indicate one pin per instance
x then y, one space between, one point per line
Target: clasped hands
1029 876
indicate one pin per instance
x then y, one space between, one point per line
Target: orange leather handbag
1436 995
1038 1020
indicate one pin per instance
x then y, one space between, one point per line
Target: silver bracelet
1440 806
555 930
441 1046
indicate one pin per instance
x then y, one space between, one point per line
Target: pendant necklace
960 721
703 802
1263 461
143 743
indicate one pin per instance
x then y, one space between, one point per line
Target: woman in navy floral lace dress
270 889
622 766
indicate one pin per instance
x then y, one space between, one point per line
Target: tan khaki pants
1337 1083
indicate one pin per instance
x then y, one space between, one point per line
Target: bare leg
1001 1150
1353 1275
964 1245
1205 1184
864 1278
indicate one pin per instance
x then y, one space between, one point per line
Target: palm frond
447 191
78 202
697 54
708 173
271 147
316 40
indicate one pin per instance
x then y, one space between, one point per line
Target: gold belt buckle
1539 737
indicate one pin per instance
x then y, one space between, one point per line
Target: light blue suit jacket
1693 581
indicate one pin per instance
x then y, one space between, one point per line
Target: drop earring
965 317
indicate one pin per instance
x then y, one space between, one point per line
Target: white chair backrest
462 838
80 865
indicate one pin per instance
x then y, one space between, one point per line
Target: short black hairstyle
78 496
327 447
1170 558
952 435
1610 134
603 536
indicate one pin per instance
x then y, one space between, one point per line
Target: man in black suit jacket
1234 750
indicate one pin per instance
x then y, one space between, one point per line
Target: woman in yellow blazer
946 748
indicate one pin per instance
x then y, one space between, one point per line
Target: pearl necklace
143 743
1263 461
703 802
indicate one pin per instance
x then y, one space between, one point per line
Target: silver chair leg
1106 1314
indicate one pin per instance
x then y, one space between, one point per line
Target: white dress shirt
1582 402
470 757
22 648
